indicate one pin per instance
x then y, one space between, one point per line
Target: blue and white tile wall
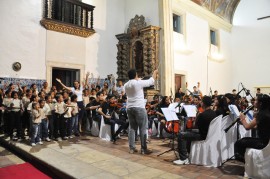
28 82
21 81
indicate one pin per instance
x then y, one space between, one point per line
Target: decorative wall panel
138 48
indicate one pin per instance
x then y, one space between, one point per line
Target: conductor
136 111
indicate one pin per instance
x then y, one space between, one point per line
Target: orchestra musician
151 111
164 103
179 94
94 105
196 90
123 112
108 110
221 106
197 102
203 121
262 122
215 95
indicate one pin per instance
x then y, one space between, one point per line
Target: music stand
235 112
188 111
169 116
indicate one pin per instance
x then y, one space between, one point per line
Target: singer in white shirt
136 111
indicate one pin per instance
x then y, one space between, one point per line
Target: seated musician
108 110
123 113
197 103
179 94
94 105
221 106
165 102
262 122
151 112
202 122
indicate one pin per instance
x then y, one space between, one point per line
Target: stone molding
51 64
66 28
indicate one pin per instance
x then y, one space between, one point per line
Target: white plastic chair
227 139
208 151
257 163
95 129
105 130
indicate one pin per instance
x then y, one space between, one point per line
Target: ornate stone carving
66 28
138 22
138 48
122 56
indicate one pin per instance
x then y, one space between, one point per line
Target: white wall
250 44
101 50
65 48
195 64
149 9
25 40
22 39
97 52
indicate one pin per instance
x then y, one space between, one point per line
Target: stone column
166 69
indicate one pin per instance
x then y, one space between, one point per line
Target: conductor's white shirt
134 90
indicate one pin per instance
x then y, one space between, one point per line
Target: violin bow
171 95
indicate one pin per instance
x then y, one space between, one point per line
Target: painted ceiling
222 8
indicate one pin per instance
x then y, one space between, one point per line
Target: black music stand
235 112
170 116
237 138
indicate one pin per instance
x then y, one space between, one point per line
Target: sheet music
249 115
234 110
174 107
191 110
169 115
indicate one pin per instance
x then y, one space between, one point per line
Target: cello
172 127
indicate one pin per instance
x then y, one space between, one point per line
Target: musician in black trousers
262 122
108 110
203 121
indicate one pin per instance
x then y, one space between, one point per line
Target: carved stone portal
138 48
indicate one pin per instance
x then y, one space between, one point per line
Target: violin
117 105
149 110
200 109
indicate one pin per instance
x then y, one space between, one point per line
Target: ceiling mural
222 8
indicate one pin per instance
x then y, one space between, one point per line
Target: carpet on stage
20 171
